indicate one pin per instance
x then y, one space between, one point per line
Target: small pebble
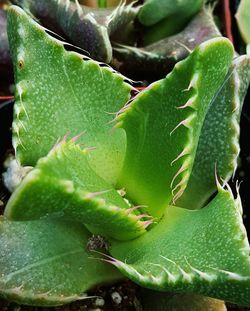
116 297
99 302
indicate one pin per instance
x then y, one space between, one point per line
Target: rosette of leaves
142 179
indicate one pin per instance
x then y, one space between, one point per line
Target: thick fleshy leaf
243 19
58 92
163 125
204 251
218 147
157 59
64 185
153 11
88 28
46 262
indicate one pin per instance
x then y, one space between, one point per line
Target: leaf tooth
21 90
75 138
138 217
107 258
182 186
231 275
183 167
68 185
185 275
178 195
79 8
91 195
208 276
66 6
183 181
184 152
147 223
132 209
189 103
186 123
171 277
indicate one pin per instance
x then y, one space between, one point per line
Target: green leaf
88 28
218 147
154 11
46 263
157 59
64 185
204 251
163 125
59 92
243 19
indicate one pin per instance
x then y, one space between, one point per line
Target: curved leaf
88 28
163 125
59 92
64 185
218 147
153 11
157 59
45 263
243 19
204 251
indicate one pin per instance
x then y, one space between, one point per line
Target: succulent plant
165 17
141 194
88 28
157 59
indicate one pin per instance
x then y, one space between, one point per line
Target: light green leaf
46 263
64 185
204 251
163 125
218 147
59 92
243 19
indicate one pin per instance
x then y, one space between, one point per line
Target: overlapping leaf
63 185
218 147
166 17
163 126
204 251
157 59
58 92
46 263
86 27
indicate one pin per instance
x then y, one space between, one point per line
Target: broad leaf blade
58 92
64 185
218 147
204 251
46 263
163 125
